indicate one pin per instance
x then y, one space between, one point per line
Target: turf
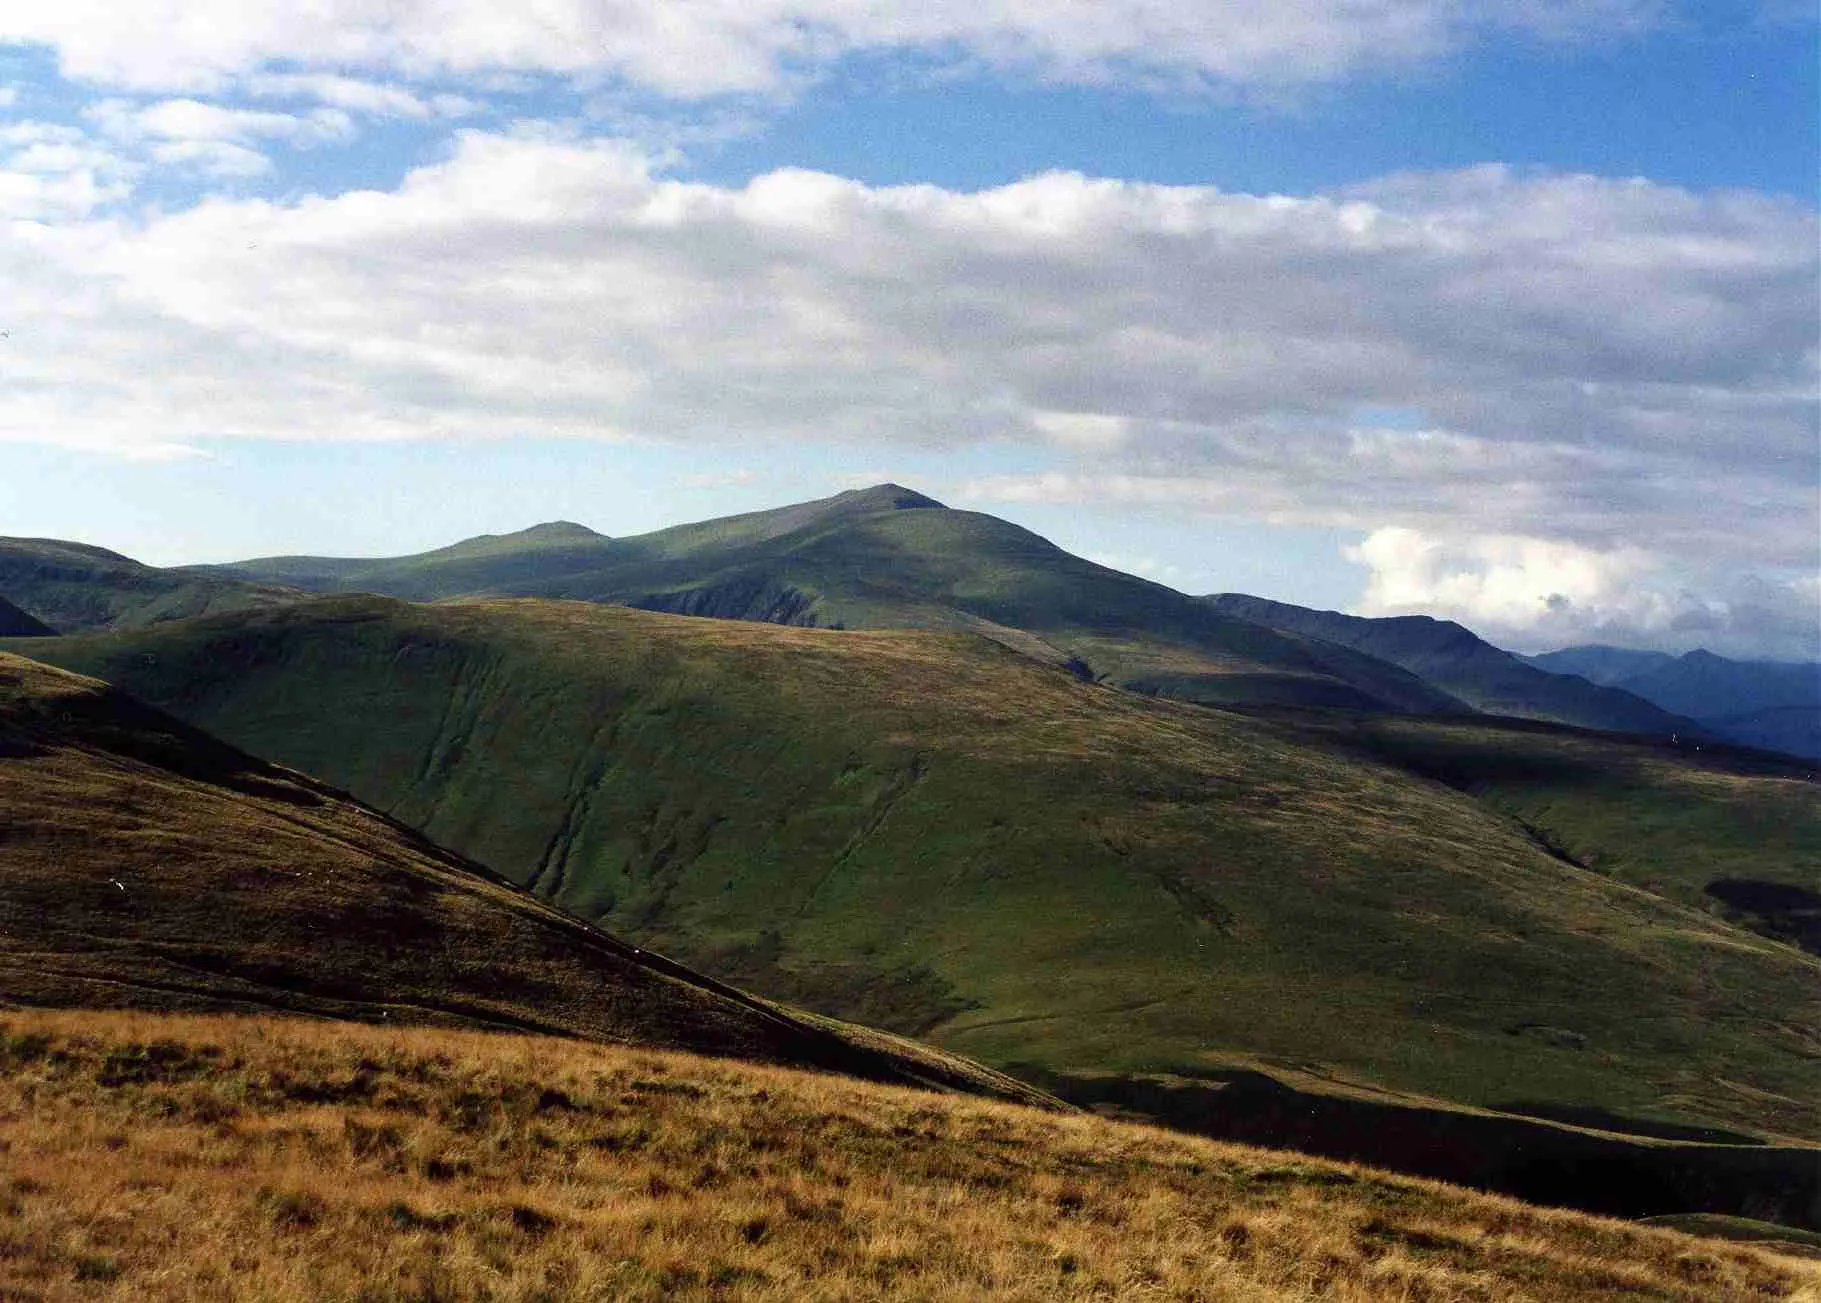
1030 869
186 1158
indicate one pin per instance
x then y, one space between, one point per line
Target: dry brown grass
155 1157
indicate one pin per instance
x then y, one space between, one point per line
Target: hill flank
147 865
930 832
73 587
181 1158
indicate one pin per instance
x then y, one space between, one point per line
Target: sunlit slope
889 557
1729 830
184 1158
72 587
146 865
931 832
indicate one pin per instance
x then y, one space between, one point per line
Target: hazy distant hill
927 831
889 557
72 587
146 865
1775 704
1458 661
15 623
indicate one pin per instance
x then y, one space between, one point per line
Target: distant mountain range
1459 662
1774 704
890 557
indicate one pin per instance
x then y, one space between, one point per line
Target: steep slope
1774 704
15 623
146 865
889 557
930 832
72 587
1456 660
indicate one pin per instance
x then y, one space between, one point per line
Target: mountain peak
553 531
890 497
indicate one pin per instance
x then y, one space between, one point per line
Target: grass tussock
147 1157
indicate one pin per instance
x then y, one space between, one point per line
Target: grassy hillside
167 1159
1732 831
1458 661
73 587
143 864
889 557
929 832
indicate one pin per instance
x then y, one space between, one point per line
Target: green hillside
931 832
889 557
148 866
1458 661
73 587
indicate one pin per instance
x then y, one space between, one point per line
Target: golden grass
157 1157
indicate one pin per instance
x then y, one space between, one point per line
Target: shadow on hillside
1534 1159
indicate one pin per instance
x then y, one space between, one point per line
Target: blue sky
1504 312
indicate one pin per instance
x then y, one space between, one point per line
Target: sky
1503 311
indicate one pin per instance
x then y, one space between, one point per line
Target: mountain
927 831
15 623
1459 662
73 587
149 866
1774 704
889 557
1598 663
165 1160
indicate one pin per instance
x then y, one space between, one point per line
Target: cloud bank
1611 368
718 47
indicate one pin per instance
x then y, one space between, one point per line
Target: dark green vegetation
149 866
1775 704
15 623
72 587
1456 660
888 557
939 833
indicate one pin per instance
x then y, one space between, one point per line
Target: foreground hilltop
291 1161
147 865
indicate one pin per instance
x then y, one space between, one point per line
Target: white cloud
355 95
1609 365
195 120
1534 594
709 47
9 96
51 171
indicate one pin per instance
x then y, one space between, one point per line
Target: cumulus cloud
1534 594
1613 366
52 171
711 47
